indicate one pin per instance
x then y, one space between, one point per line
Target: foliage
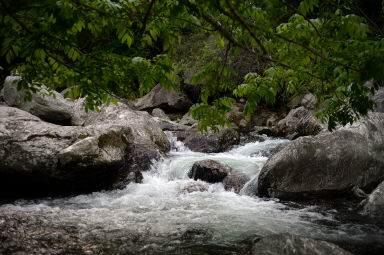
102 49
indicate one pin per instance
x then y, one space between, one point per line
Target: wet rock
52 108
126 178
235 182
157 112
159 97
190 187
299 122
289 244
209 171
373 206
329 164
269 152
40 157
209 142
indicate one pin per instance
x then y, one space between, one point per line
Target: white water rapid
158 217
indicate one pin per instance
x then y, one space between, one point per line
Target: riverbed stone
48 105
209 142
329 164
235 182
299 122
288 244
161 98
209 170
373 205
157 112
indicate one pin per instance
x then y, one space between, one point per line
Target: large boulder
209 142
50 106
288 244
209 170
299 122
373 206
44 158
145 129
159 97
328 164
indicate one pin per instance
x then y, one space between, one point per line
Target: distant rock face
46 158
287 244
327 164
374 205
209 171
159 97
209 142
43 105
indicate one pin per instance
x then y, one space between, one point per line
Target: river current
158 217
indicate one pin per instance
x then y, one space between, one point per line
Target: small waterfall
156 216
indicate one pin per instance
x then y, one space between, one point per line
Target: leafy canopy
104 49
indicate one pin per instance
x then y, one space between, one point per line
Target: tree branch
246 25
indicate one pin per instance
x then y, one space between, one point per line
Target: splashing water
158 217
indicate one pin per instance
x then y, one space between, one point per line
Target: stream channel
158 217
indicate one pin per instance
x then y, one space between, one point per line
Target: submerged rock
328 164
159 97
209 142
209 171
126 178
288 244
374 205
190 187
235 182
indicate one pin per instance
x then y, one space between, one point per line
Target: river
158 217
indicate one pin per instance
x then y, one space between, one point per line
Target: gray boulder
309 101
328 164
188 120
288 244
235 182
209 171
41 157
299 122
379 100
50 107
209 142
168 125
159 97
157 112
373 206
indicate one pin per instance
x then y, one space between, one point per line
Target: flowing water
159 217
